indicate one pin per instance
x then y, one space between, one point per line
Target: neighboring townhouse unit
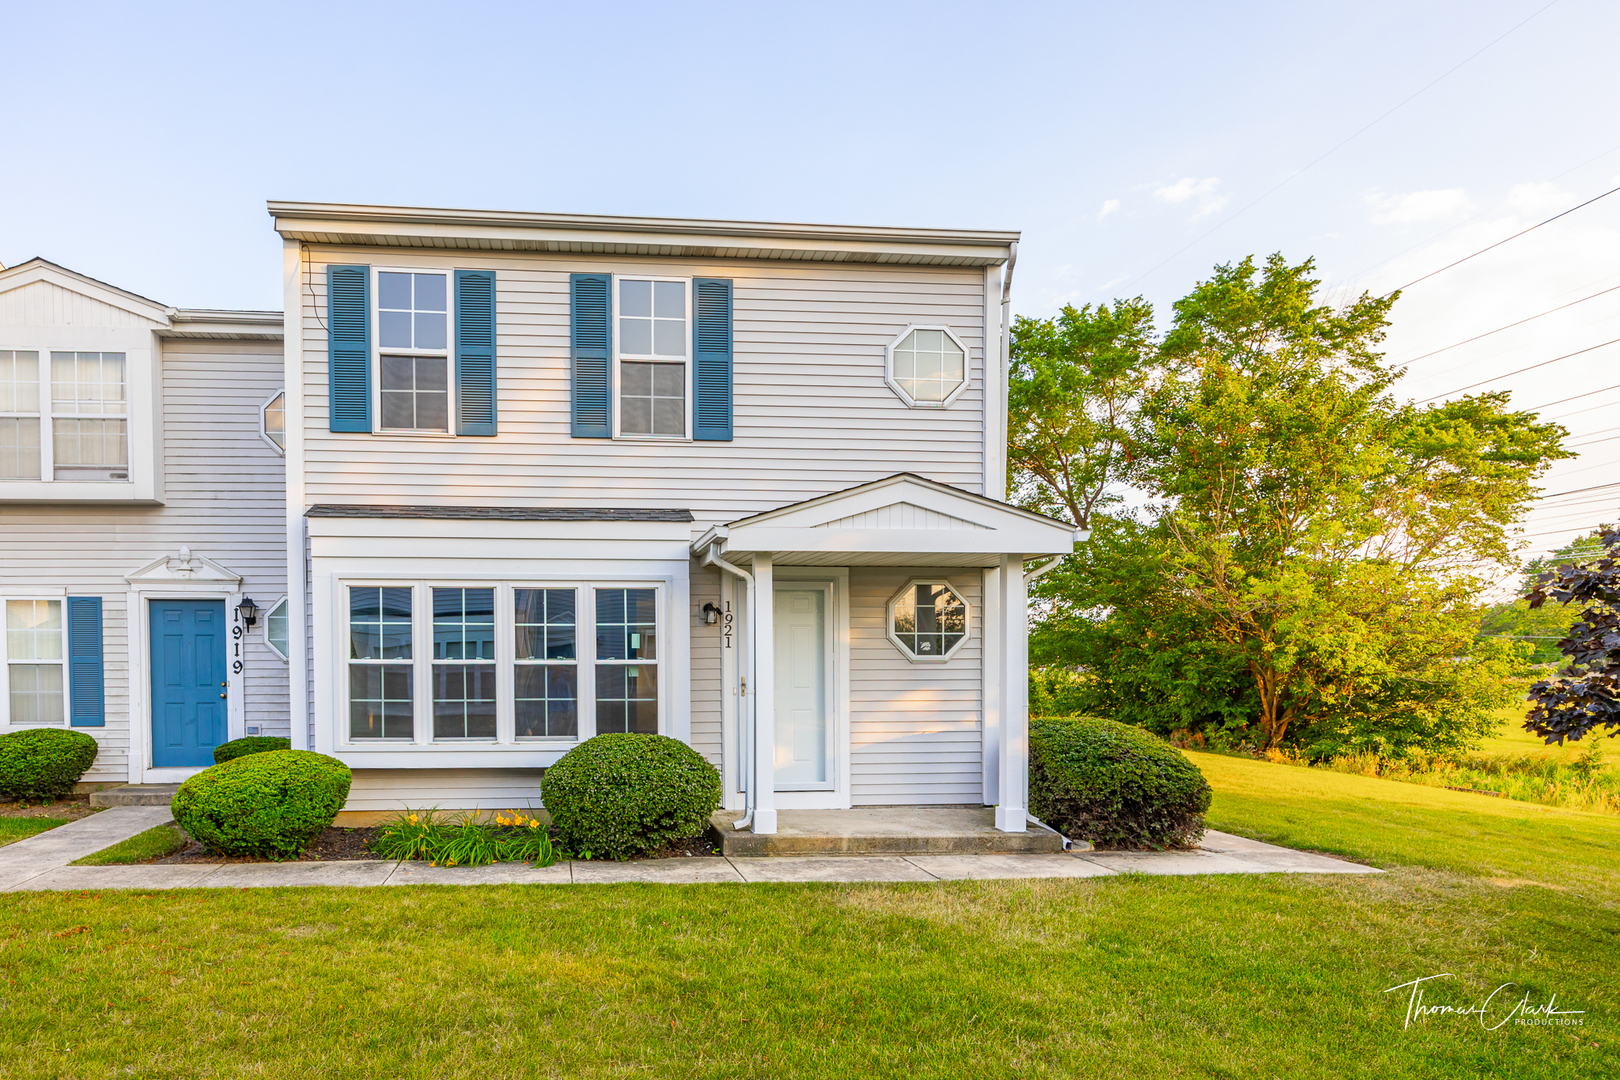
551 476
142 501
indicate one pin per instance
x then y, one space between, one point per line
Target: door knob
224 684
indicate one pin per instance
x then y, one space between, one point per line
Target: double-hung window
89 416
413 352
509 662
34 661
19 415
652 347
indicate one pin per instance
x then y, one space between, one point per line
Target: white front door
803 716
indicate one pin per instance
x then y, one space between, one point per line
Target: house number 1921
726 631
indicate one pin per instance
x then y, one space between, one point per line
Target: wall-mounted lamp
249 611
711 614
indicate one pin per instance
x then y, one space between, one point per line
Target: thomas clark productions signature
1495 1011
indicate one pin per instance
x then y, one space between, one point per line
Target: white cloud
1109 207
1201 192
1418 206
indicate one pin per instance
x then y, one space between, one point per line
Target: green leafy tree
1541 628
1305 574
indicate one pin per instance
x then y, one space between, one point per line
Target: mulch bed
72 808
333 845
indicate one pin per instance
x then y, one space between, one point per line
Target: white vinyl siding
224 497
813 412
915 729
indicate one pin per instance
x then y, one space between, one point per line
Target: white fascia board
1027 541
463 529
210 324
39 270
327 223
896 489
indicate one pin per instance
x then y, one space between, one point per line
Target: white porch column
992 629
764 695
1012 804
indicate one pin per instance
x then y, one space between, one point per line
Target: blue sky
1133 144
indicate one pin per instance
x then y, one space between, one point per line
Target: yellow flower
533 824
413 819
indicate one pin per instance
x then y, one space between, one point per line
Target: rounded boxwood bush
272 803
253 744
621 795
1114 785
43 763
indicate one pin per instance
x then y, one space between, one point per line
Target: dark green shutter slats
590 306
86 670
711 379
348 348
475 352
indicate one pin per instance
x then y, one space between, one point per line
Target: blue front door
188 682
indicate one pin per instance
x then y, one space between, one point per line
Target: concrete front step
135 795
885 830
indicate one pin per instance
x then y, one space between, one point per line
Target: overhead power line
1509 326
1578 412
1339 146
1594 442
1520 371
1577 397
1577 491
1499 243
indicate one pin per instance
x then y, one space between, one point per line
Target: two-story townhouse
738 483
142 503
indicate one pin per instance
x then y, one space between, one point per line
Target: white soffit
487 230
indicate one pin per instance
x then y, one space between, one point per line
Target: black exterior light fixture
249 611
711 614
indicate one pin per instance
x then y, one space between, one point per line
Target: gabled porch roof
901 520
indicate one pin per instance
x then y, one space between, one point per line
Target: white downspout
1004 363
745 715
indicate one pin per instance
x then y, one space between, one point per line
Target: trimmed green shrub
43 763
1113 784
271 803
617 796
253 744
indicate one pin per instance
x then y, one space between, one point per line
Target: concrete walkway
1220 853
44 852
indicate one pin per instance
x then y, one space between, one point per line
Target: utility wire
1290 178
1577 397
1509 326
1520 371
1577 491
1499 243
1594 442
1578 412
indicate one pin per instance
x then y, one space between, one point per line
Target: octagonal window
927 366
928 620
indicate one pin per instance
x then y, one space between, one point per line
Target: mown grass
1120 977
154 843
13 829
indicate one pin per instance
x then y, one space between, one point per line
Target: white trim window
928 620
415 391
652 348
627 660
463 665
89 416
273 421
19 415
545 657
381 671
927 366
510 662
35 648
277 629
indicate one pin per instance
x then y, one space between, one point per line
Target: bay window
19 415
506 664
89 416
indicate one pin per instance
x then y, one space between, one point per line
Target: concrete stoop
135 795
885 830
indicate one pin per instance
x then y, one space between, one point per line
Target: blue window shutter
590 307
86 670
475 352
711 380
348 347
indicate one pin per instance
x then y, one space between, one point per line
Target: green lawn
13 829
154 843
1276 976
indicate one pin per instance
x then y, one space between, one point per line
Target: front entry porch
885 830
